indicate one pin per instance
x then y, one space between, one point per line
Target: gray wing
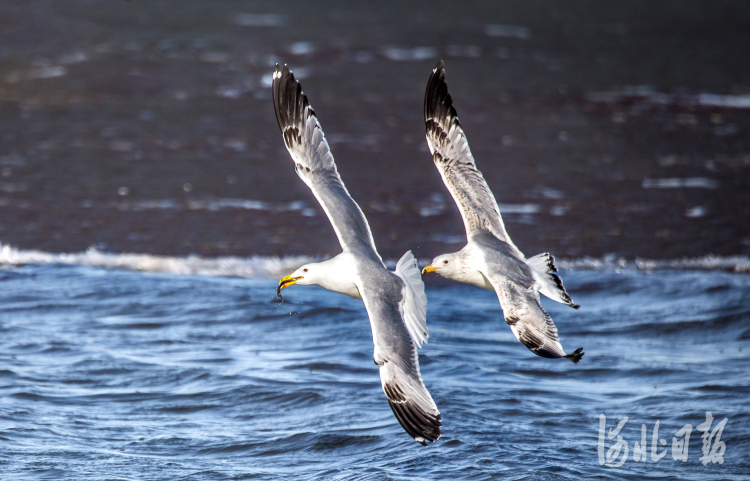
396 354
453 159
314 163
527 319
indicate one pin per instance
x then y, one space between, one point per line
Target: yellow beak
286 281
429 269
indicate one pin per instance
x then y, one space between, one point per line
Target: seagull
490 260
395 301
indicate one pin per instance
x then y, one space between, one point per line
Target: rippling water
109 374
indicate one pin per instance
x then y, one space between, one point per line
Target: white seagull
395 301
490 260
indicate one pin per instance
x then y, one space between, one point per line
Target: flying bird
395 301
490 260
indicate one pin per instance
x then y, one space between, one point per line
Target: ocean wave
648 94
738 264
272 266
253 267
214 205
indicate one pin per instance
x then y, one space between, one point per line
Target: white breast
340 275
476 278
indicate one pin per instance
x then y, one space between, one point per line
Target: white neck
464 272
338 275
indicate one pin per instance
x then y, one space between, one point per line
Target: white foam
73 58
301 48
507 31
48 72
43 72
230 92
254 267
271 267
14 160
698 211
260 20
214 205
448 239
726 101
649 94
433 205
410 54
691 182
519 208
737 264
267 80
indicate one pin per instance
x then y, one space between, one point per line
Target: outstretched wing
396 354
314 163
527 319
453 159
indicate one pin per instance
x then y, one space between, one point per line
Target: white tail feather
414 306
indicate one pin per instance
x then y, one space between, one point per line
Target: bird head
445 265
303 276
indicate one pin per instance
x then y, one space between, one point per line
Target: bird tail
575 356
549 283
415 300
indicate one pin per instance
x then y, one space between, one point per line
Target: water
125 375
147 206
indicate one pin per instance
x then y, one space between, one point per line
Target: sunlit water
110 374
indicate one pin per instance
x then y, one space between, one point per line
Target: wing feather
528 320
414 307
453 159
313 162
396 354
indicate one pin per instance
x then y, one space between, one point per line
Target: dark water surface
601 127
121 375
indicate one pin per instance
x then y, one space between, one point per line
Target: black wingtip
417 423
575 356
421 426
289 101
439 112
280 88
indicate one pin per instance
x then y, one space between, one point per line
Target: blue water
122 375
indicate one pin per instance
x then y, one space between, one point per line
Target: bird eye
304 270
445 262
